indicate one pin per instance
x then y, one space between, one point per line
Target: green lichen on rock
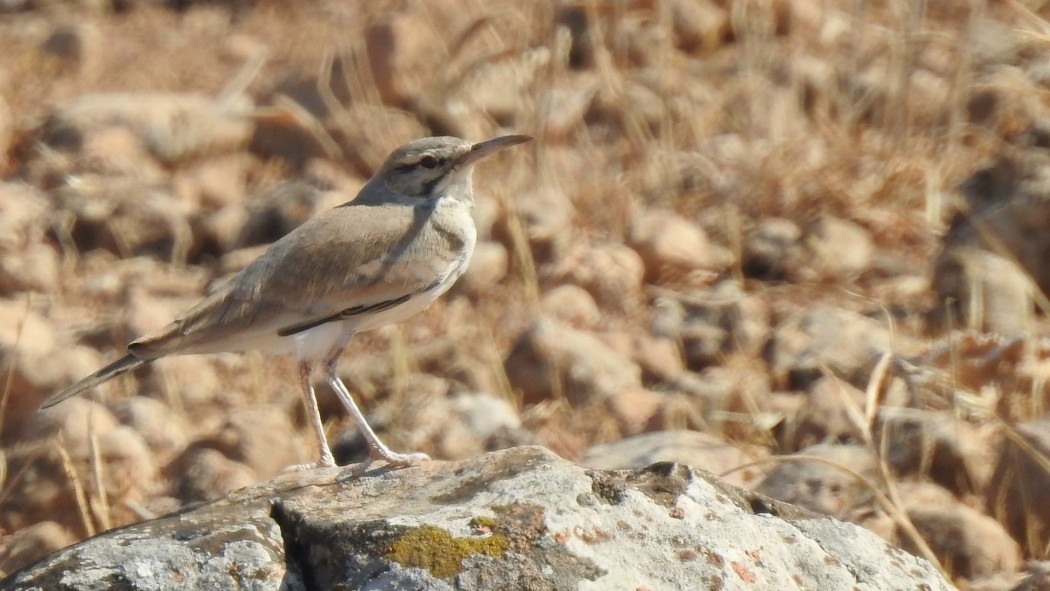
482 523
437 551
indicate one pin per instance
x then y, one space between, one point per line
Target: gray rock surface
521 518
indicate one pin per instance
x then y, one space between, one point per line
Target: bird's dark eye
428 161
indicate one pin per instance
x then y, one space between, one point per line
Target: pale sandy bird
376 260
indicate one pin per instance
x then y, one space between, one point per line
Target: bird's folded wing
331 266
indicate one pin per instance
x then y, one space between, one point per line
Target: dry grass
792 110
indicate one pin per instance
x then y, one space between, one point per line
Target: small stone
843 248
980 290
214 183
571 305
172 127
633 409
1019 483
204 474
819 486
699 25
660 359
193 380
713 323
488 266
975 545
612 273
939 446
691 448
546 217
74 421
806 345
72 49
6 130
164 430
129 470
669 244
281 209
34 268
29 544
772 250
551 361
397 47
260 438
826 415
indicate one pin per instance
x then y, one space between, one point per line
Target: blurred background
799 244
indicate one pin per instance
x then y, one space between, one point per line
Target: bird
375 260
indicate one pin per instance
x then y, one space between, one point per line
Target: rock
44 492
281 209
398 47
713 323
773 250
973 544
473 424
569 102
214 183
125 216
488 266
844 342
551 361
27 260
34 268
128 469
843 249
193 380
261 438
71 49
660 359
164 430
38 362
32 543
691 448
6 130
545 215
75 421
1038 578
671 245
205 474
612 273
938 445
634 409
495 88
571 305
355 129
699 25
1019 483
713 402
25 216
171 127
484 415
116 458
980 290
826 416
1005 212
820 486
520 518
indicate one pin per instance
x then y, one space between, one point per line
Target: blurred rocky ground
799 244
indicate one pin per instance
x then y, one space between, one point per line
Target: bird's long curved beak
482 149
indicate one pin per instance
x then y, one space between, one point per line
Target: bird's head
435 166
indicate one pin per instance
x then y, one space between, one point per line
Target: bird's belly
317 343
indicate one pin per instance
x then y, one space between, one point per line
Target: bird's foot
326 461
392 459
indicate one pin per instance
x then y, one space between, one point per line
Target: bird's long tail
118 367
